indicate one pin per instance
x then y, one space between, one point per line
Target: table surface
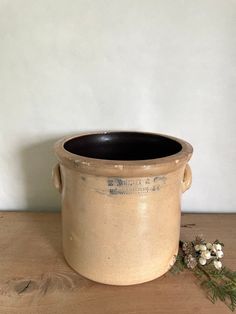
34 277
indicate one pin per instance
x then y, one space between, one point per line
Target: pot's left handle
187 179
56 177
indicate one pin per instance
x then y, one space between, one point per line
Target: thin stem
205 272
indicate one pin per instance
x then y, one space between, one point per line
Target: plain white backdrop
161 66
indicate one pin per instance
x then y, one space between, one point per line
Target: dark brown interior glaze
123 146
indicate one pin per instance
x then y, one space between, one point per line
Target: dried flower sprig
200 252
204 260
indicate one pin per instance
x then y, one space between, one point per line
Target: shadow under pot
121 203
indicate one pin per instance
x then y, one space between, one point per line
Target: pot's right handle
187 179
56 177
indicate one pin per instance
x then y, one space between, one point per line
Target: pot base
124 282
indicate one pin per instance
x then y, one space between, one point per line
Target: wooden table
34 277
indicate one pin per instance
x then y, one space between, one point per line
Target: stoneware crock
121 203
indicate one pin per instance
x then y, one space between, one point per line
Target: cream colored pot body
121 219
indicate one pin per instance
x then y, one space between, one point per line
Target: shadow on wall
37 161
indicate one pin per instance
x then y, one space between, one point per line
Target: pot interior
123 146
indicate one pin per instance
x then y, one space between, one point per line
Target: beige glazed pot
121 203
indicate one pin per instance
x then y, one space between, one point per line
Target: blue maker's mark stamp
122 186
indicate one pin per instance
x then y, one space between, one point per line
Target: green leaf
217 285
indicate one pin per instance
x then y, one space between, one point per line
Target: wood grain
34 277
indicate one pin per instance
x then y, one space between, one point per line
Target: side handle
187 179
56 177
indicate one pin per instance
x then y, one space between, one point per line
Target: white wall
162 66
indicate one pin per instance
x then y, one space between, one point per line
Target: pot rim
131 167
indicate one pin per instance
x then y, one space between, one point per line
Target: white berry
217 246
202 247
202 261
197 247
217 264
206 254
219 254
209 245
